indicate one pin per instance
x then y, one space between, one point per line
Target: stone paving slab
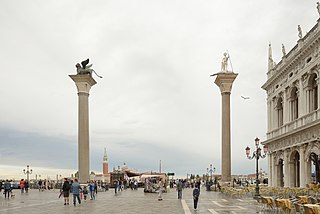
127 202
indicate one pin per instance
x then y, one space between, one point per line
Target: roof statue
85 68
283 50
318 7
299 32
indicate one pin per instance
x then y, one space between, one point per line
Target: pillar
84 83
302 166
224 81
270 166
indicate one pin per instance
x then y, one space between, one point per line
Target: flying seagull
245 98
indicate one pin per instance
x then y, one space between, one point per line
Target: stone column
84 84
286 168
224 81
302 166
270 166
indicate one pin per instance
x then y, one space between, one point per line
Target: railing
300 122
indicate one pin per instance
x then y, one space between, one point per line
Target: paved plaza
127 202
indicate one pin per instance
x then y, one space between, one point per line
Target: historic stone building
293 136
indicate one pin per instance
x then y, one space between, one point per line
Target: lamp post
257 155
211 171
27 172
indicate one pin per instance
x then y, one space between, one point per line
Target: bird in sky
245 98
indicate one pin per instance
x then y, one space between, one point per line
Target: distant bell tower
105 163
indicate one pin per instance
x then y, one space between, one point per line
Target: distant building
293 113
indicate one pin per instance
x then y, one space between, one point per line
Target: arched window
280 112
313 92
294 103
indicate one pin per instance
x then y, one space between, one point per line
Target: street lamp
27 172
211 171
257 154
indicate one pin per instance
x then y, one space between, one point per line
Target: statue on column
85 68
299 32
224 63
318 7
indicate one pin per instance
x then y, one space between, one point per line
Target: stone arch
294 102
312 148
279 110
313 160
312 91
294 168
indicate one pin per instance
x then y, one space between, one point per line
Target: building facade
293 135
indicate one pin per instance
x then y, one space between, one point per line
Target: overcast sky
156 100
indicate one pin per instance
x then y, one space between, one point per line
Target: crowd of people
78 192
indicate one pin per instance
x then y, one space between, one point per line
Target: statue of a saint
299 32
224 63
85 68
318 7
283 50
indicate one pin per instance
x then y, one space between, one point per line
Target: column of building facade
285 108
270 165
301 110
269 114
273 116
317 82
302 166
308 166
286 168
275 170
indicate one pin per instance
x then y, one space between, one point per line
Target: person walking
196 194
40 184
22 185
7 188
92 190
115 184
96 187
160 190
26 185
75 187
66 191
179 189
85 193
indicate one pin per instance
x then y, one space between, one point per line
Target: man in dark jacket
7 188
196 194
66 191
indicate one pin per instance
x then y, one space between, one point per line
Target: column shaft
83 137
226 147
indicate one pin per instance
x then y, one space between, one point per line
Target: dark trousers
6 191
76 196
179 194
195 202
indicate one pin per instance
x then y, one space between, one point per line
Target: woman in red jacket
22 185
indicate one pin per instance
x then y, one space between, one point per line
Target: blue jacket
75 188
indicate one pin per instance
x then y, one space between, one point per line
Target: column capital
83 82
224 81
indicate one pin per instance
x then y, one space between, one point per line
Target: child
85 193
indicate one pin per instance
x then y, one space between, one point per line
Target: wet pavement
127 202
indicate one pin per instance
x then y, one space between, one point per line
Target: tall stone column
224 81
84 84
302 162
